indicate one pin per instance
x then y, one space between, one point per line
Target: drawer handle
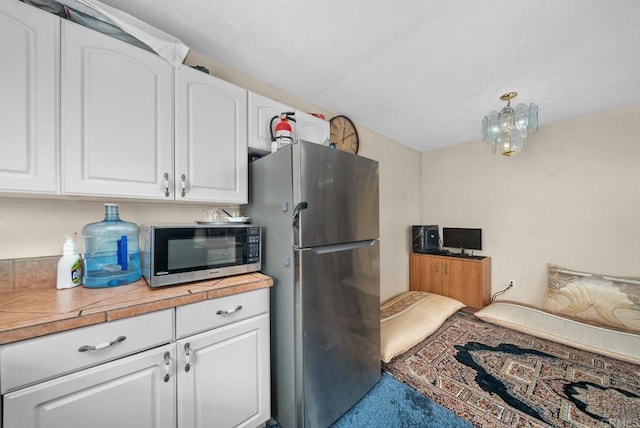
102 345
229 311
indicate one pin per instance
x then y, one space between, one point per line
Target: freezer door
338 314
335 196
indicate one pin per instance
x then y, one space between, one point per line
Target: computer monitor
464 238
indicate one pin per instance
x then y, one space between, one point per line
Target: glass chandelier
508 131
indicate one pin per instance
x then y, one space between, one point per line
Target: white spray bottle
69 265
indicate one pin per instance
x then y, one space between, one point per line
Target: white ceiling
423 73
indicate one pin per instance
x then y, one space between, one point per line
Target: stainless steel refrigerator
319 210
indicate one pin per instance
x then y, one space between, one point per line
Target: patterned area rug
493 376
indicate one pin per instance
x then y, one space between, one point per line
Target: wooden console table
465 279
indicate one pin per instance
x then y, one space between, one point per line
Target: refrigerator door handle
342 247
296 212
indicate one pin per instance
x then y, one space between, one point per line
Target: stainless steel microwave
175 254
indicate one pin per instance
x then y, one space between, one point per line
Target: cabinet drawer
209 314
129 392
41 358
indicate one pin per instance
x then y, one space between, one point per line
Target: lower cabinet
223 376
216 374
129 392
464 279
223 362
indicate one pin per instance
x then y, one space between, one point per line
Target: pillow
594 298
411 317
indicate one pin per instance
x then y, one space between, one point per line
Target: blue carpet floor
392 404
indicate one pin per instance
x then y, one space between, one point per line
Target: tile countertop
28 313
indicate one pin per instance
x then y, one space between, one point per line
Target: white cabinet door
311 128
261 111
130 392
211 138
117 117
29 40
227 383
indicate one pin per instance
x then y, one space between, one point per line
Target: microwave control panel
253 242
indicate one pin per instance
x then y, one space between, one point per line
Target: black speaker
425 239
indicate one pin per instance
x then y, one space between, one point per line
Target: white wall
36 227
572 199
400 207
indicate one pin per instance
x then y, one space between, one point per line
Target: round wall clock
344 134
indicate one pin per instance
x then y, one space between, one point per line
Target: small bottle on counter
69 266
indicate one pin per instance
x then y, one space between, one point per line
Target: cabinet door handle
436 267
229 311
445 269
167 367
167 192
183 184
103 345
187 357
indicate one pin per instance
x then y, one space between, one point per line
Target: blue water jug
111 251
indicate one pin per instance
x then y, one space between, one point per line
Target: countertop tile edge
86 316
158 305
242 288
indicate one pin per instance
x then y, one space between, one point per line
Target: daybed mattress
616 344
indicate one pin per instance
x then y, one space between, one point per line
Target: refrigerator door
335 196
338 317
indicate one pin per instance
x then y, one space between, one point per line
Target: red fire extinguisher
281 135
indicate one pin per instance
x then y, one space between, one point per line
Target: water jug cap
111 211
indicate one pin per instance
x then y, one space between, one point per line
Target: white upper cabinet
311 128
117 117
261 111
211 138
29 40
118 111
